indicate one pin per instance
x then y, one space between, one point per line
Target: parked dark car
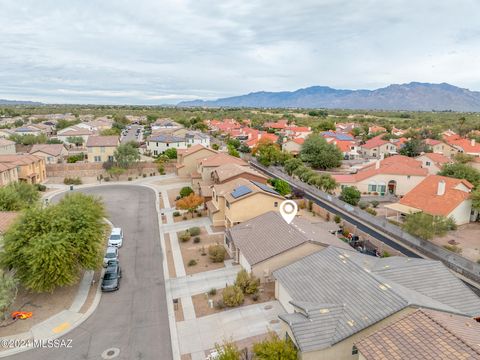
111 278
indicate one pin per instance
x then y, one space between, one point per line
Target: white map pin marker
288 210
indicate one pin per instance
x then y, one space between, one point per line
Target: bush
453 248
185 191
253 285
247 282
184 217
255 297
129 178
232 296
192 262
386 254
371 211
107 178
185 236
194 231
337 219
144 175
363 205
275 348
217 253
40 187
72 181
220 304
212 292
199 215
196 239
176 213
350 195
374 203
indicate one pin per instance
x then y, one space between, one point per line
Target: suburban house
440 147
231 171
336 297
240 200
187 159
376 147
439 195
30 168
424 334
7 147
52 153
70 133
375 129
267 242
467 146
293 146
165 124
8 173
6 133
157 144
395 175
28 130
433 162
101 148
206 165
197 138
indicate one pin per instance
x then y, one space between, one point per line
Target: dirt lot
467 237
190 251
172 195
200 301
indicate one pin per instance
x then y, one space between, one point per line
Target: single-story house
433 162
293 146
439 195
335 297
440 147
376 147
52 153
267 242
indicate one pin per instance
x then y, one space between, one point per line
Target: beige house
207 165
8 174
440 147
377 148
7 146
187 159
336 297
101 148
267 242
30 168
52 153
68 134
293 146
441 196
240 200
393 175
433 162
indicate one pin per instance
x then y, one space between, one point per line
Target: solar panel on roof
344 137
240 191
264 187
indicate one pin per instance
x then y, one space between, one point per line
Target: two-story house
101 148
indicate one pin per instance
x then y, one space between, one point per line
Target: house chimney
441 188
377 164
472 142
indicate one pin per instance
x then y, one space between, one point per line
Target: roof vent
441 188
324 311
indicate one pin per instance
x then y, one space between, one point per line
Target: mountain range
413 96
19 102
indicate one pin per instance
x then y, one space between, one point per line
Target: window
227 204
428 163
408 176
275 204
110 158
155 152
381 189
354 350
372 187
168 145
97 158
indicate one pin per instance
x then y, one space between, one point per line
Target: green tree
62 124
356 131
244 149
463 158
269 153
234 142
76 140
426 226
29 139
413 147
461 171
115 172
54 141
126 155
320 154
185 191
232 151
49 247
351 195
292 164
171 153
215 146
18 196
475 196
275 348
281 186
228 351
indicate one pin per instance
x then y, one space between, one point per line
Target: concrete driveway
133 319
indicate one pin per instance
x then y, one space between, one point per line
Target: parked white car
116 237
110 254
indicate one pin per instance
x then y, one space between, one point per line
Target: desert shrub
144 175
199 215
192 262
337 219
184 217
253 285
217 253
129 178
255 297
176 213
371 211
453 248
107 179
363 205
220 304
212 292
40 187
185 191
196 239
247 282
386 254
185 236
72 181
194 231
374 203
232 296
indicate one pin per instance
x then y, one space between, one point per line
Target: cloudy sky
165 51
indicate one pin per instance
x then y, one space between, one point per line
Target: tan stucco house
433 162
377 148
8 173
239 200
440 147
30 168
335 297
52 153
267 242
7 146
187 159
101 148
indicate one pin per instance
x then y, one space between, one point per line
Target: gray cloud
155 52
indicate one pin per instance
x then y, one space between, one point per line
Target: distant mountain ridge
18 102
412 96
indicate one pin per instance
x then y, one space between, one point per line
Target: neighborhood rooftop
94 141
359 290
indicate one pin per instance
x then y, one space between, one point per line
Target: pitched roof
368 289
195 148
220 159
166 138
74 131
268 235
6 219
424 196
6 142
432 142
111 141
374 142
299 141
424 334
19 159
232 187
227 171
438 158
467 145
50 149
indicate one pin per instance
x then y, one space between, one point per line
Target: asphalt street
133 319
132 134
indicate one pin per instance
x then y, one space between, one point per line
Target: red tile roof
467 145
432 142
374 142
424 196
299 141
438 158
